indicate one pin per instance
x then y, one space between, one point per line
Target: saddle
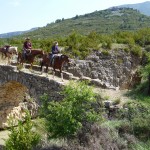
28 52
52 59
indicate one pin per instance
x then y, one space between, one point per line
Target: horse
29 56
9 52
58 62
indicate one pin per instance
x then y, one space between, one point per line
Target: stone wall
16 89
115 70
36 84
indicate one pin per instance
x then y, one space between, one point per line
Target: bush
105 52
22 137
147 48
136 50
127 50
139 116
64 119
141 146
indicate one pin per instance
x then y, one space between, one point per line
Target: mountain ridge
11 34
142 7
88 22
102 22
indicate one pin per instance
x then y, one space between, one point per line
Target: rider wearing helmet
54 51
27 46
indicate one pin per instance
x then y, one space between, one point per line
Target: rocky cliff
114 69
14 102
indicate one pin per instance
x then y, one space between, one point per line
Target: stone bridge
37 83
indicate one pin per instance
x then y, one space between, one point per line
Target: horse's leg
53 73
21 61
3 56
46 70
41 67
23 65
61 74
31 66
8 60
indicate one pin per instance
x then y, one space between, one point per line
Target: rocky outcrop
115 69
14 102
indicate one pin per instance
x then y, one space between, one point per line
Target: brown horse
9 52
58 63
30 56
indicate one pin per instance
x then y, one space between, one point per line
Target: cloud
15 3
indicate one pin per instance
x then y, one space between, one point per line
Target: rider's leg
7 47
51 58
24 55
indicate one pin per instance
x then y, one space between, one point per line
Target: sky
22 15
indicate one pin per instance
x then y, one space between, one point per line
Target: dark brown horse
9 52
30 56
58 63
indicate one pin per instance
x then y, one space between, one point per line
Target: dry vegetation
12 92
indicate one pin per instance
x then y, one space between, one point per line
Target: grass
140 93
141 146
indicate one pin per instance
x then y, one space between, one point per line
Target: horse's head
66 61
72 63
65 58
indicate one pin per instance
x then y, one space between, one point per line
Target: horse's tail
19 57
41 64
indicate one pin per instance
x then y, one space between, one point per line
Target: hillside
105 21
142 7
100 21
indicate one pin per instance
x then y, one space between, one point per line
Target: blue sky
21 15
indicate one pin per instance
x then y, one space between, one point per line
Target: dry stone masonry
116 70
17 86
36 84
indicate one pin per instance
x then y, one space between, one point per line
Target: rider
27 46
54 51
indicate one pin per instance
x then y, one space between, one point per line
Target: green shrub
136 50
127 50
22 137
105 52
116 101
147 48
119 61
64 119
141 146
139 116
